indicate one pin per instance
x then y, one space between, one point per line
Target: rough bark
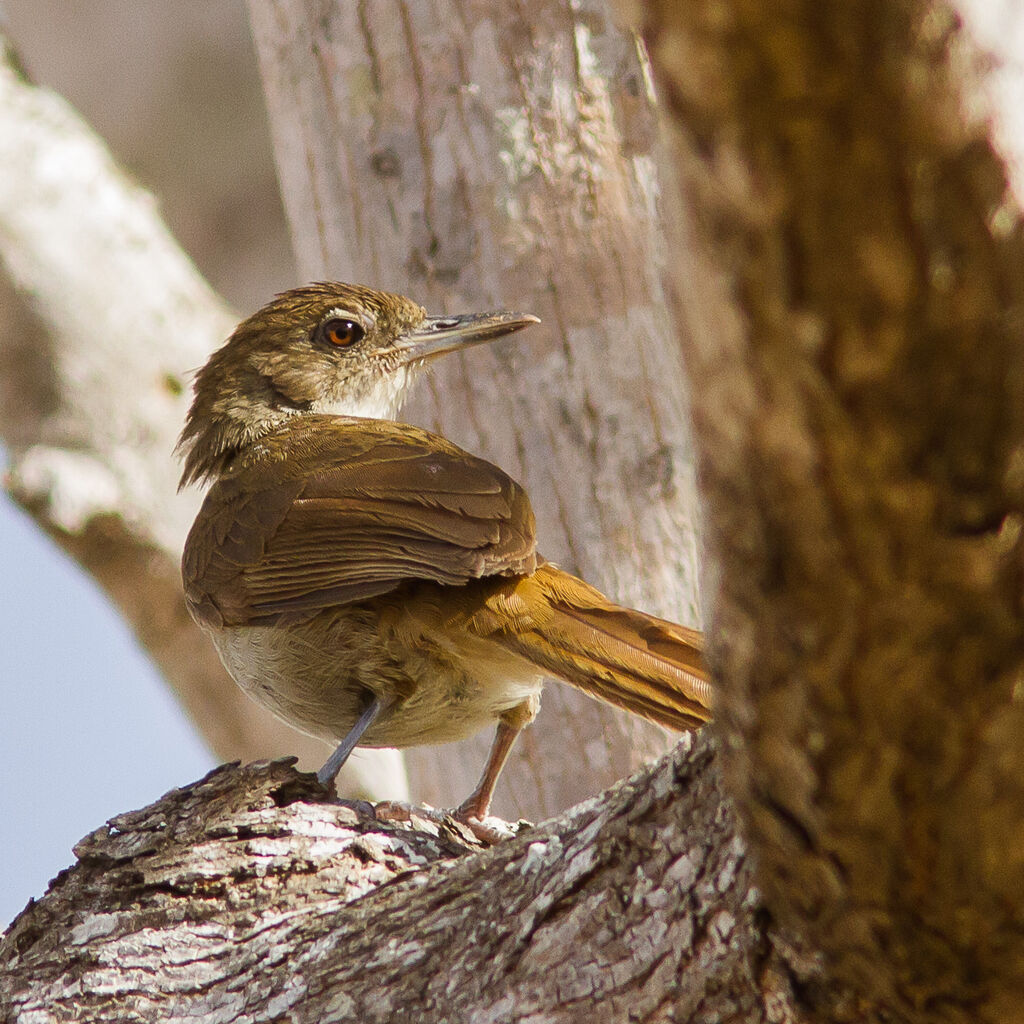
93 391
853 316
479 155
245 896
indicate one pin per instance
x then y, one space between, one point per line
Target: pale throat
378 398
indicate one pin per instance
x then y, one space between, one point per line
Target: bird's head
330 348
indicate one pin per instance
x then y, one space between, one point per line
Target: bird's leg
474 810
512 722
332 765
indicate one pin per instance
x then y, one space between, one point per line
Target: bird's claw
488 830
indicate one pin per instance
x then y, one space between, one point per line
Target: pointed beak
440 334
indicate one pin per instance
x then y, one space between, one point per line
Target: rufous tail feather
648 666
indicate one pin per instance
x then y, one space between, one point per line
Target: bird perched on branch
370 582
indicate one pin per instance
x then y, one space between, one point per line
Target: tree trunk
478 156
853 319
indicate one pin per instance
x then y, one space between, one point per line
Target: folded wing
330 511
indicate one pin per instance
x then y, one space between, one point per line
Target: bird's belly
316 675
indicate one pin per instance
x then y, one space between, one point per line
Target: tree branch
244 894
94 393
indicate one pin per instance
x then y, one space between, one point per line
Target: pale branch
853 310
95 390
247 896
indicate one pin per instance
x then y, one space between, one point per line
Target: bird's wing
329 511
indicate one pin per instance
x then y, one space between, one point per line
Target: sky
87 730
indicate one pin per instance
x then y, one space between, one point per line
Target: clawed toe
487 830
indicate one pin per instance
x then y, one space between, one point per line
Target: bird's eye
341 332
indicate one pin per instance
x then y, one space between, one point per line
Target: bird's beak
440 334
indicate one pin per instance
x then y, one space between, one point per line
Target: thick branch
245 895
853 332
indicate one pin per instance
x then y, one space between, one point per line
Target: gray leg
332 765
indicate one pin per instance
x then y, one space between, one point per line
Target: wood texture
477 156
853 308
244 896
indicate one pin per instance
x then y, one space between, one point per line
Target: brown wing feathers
349 513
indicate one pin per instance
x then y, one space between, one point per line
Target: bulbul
370 582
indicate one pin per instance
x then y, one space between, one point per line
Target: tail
565 627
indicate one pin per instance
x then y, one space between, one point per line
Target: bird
370 582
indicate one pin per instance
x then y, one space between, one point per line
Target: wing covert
328 511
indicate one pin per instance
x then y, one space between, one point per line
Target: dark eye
341 332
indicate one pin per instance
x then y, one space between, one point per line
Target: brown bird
372 583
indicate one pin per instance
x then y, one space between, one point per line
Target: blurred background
87 728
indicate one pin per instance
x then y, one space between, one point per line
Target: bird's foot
474 814
488 830
363 808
